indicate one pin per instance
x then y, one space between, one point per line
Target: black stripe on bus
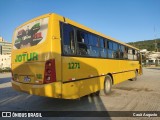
82 79
94 77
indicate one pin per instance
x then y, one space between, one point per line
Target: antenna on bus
65 20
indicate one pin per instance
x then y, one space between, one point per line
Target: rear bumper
48 90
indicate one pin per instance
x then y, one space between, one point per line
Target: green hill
146 44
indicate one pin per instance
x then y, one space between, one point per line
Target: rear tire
97 93
107 85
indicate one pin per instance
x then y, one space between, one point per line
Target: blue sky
125 20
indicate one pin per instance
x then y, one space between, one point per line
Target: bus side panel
70 90
101 82
48 90
129 75
83 71
92 67
117 78
88 86
120 77
77 89
56 49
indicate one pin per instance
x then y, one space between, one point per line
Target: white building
5 61
151 57
154 58
5 47
5 54
143 51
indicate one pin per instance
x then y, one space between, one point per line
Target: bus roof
93 31
36 18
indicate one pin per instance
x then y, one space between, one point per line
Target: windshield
31 34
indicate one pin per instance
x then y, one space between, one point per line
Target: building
5 54
5 61
1 39
154 58
5 47
150 57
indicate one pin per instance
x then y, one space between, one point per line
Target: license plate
27 79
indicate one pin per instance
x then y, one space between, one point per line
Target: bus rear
33 61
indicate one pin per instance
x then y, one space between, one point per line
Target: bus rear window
31 34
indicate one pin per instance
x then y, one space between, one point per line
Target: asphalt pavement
140 95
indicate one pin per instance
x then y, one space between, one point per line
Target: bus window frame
62 39
98 38
104 47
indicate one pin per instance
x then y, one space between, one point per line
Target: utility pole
155 41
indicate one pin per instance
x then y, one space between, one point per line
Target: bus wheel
136 75
107 85
97 93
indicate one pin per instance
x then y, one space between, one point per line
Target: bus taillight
50 71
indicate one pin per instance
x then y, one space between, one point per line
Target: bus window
82 40
116 50
110 45
135 54
113 51
95 41
103 51
103 43
110 54
93 45
122 50
68 40
138 55
125 56
130 54
94 51
82 37
115 46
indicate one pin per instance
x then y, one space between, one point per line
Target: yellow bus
56 57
